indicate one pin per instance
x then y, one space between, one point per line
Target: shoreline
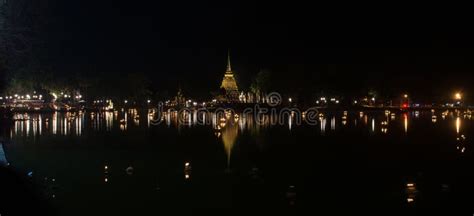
242 107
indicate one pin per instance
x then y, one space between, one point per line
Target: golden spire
228 61
229 83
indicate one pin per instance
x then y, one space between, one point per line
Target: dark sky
344 47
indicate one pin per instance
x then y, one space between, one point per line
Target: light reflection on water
74 123
227 128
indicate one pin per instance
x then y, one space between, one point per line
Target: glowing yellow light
410 200
458 124
373 125
410 185
458 96
405 96
405 116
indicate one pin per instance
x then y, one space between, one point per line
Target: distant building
179 99
229 84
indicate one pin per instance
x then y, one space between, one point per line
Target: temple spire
229 84
228 61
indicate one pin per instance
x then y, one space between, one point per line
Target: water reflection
229 132
460 138
226 125
106 174
458 124
405 122
411 192
55 123
229 126
187 171
322 122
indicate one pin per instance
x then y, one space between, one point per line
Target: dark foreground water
121 164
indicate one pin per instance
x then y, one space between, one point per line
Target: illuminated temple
229 84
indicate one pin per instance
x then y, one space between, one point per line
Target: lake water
121 163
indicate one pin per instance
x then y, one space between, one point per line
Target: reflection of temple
229 136
229 85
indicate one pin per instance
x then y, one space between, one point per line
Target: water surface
121 163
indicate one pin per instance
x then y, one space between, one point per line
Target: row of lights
324 100
16 96
107 101
457 96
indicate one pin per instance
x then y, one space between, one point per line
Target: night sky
346 48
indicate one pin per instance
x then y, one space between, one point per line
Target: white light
148 101
1 98
16 95
337 101
195 103
373 99
323 98
290 100
355 102
126 101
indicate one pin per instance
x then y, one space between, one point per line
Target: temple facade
229 84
